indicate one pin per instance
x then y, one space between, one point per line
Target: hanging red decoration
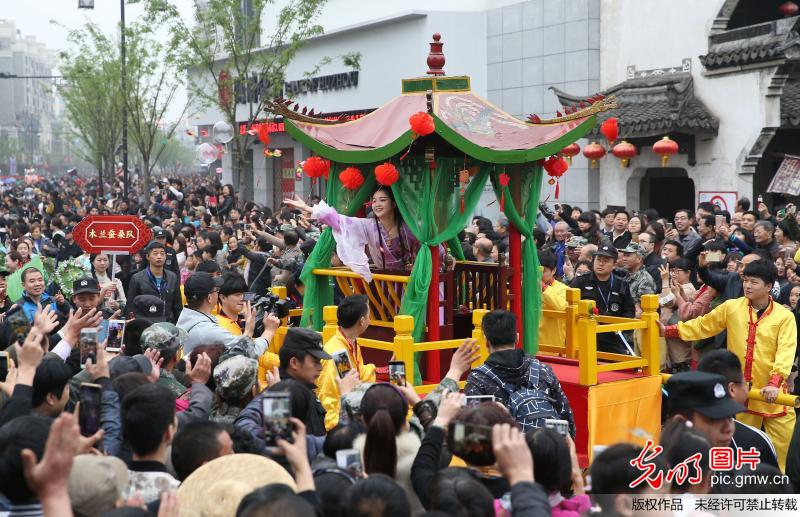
351 178
571 150
610 130
788 9
263 134
555 166
505 179
316 167
463 178
386 174
594 152
624 151
421 123
665 148
224 89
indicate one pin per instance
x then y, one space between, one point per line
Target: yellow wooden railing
784 399
385 292
403 346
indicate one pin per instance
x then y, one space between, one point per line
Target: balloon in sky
222 132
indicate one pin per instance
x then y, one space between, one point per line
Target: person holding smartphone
353 317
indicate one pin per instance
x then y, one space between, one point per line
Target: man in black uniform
611 296
171 263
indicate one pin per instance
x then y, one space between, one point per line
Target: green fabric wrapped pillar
521 208
319 289
430 203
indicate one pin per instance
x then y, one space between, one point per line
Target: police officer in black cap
703 399
612 297
171 261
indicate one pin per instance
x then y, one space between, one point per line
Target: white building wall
644 34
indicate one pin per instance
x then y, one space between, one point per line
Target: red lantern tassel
503 201
556 189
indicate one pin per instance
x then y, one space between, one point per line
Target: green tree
231 59
175 158
92 97
152 86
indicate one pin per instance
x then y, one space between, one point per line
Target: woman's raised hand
297 203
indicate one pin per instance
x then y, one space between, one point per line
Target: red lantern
316 167
788 9
594 152
555 166
422 123
351 178
571 150
624 151
610 130
386 174
665 148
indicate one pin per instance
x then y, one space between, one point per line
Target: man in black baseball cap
300 356
149 308
703 399
611 295
86 293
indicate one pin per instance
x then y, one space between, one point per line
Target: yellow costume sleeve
328 393
786 347
705 326
366 372
554 298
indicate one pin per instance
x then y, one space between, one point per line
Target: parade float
437 145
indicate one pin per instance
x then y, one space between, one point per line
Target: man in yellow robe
763 334
353 317
552 331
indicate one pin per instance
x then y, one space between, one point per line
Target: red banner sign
122 234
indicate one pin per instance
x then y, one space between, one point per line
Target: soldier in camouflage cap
235 378
242 345
168 340
639 280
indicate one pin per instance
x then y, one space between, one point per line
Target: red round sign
122 234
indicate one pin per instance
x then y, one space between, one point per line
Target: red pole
515 262
432 372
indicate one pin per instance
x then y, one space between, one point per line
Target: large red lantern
788 9
316 167
422 123
571 150
594 152
624 151
610 130
351 178
555 166
386 174
665 148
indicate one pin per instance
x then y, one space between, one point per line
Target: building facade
27 113
717 77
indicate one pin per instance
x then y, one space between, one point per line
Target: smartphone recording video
471 442
397 373
477 400
349 460
115 335
560 426
89 418
342 361
88 344
276 409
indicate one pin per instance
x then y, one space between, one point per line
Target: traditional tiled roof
761 43
790 104
654 105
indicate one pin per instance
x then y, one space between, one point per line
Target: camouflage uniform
291 260
640 282
166 338
235 378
